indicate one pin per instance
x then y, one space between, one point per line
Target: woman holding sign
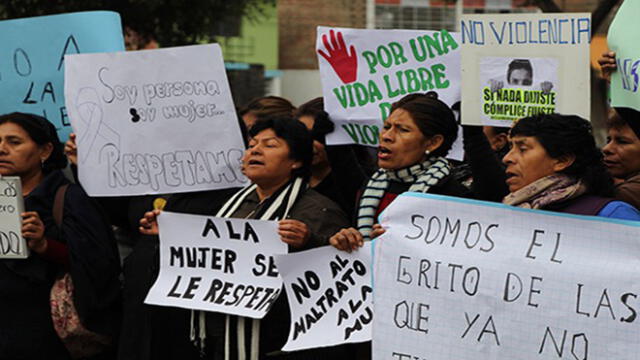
415 139
554 164
278 163
78 242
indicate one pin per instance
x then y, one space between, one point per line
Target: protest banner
364 71
464 279
32 59
521 65
12 244
329 293
623 40
217 264
154 121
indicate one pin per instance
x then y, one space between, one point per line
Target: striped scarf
275 207
422 177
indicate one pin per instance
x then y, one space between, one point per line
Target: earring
427 152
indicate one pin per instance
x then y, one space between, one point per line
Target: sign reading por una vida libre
364 71
154 121
217 264
464 279
12 244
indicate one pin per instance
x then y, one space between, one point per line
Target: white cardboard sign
12 244
464 279
217 264
153 121
330 296
364 71
521 65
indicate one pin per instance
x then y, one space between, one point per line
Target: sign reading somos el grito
364 71
464 279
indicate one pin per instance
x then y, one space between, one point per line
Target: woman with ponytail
554 164
416 137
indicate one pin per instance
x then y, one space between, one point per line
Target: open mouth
254 162
383 152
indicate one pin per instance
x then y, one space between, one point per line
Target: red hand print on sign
343 62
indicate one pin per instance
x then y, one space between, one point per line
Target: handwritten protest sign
12 244
463 279
623 39
364 71
217 264
329 294
32 59
154 121
521 65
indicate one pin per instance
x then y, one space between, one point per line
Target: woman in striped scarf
415 139
278 163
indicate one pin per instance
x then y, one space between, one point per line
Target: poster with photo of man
519 65
512 88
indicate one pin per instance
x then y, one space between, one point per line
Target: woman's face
319 151
19 154
266 162
622 152
528 161
402 144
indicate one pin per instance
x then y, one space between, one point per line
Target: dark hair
296 135
569 135
620 117
432 116
322 125
41 131
522 64
268 106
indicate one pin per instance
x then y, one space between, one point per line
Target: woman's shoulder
620 210
311 199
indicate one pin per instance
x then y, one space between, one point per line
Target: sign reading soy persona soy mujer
364 71
217 264
12 244
463 279
154 121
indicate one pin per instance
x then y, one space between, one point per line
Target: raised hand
343 62
607 64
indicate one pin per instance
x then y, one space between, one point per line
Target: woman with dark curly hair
554 164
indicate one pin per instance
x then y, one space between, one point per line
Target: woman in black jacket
83 246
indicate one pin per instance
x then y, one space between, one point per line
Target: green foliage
170 22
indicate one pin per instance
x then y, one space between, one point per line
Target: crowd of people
320 194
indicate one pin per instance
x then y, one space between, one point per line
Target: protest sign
154 121
32 63
329 293
464 279
364 71
521 65
623 39
12 244
217 264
